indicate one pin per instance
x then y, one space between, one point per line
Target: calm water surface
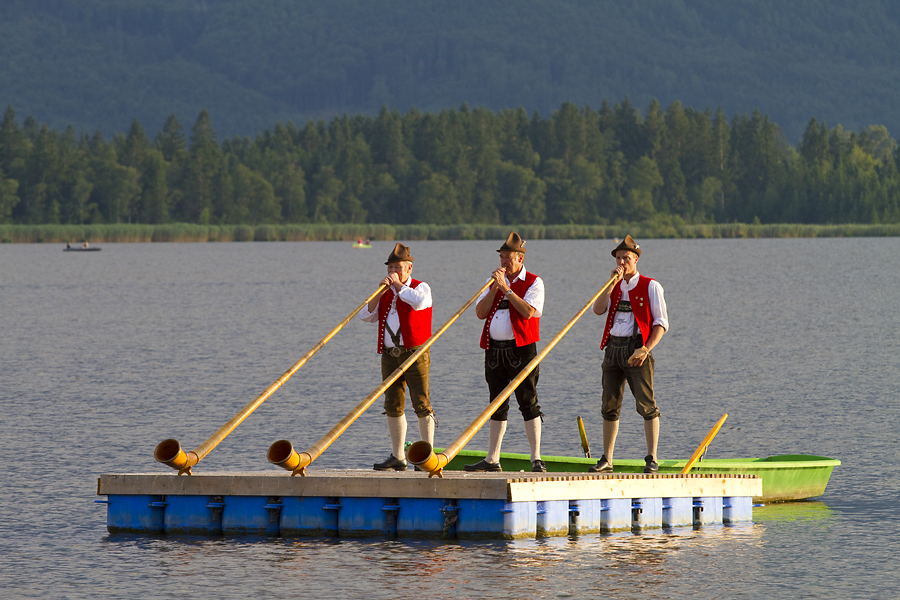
105 354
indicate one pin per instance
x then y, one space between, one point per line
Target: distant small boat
358 245
80 249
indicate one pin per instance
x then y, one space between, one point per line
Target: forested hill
100 64
466 166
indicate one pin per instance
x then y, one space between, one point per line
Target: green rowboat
786 477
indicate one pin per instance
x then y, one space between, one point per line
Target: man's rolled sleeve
418 298
534 296
658 306
368 317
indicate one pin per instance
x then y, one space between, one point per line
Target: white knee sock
533 433
397 427
426 429
651 432
498 428
610 431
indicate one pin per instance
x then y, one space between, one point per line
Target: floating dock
365 503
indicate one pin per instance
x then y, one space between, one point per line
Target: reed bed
188 232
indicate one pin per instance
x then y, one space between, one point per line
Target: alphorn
169 452
585 447
282 452
704 445
422 454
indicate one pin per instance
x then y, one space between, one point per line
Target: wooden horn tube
704 445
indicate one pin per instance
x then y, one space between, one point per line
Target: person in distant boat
84 245
68 246
635 324
403 314
511 309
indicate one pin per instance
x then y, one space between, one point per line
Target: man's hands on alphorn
499 277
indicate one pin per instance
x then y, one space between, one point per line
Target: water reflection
793 511
621 565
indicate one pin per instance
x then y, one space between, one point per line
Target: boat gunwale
768 463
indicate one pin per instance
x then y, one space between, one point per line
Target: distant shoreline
186 232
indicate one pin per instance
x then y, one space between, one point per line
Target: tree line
457 166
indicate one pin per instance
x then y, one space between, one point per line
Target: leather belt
396 351
621 341
502 344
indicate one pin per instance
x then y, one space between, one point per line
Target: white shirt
418 298
501 326
623 322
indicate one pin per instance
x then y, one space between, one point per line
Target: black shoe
391 464
484 465
538 466
651 466
602 466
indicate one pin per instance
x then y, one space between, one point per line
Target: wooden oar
704 444
585 447
169 451
422 454
282 452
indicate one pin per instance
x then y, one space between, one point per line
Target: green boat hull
786 477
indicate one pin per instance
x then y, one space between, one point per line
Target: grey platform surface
360 483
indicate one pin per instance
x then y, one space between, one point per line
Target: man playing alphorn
403 313
511 308
636 322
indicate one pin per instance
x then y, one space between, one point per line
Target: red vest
640 308
527 331
415 325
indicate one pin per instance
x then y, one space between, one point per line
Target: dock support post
707 510
646 513
425 518
677 512
309 516
616 514
737 509
493 519
126 513
552 518
251 515
198 515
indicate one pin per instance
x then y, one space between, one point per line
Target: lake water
105 354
